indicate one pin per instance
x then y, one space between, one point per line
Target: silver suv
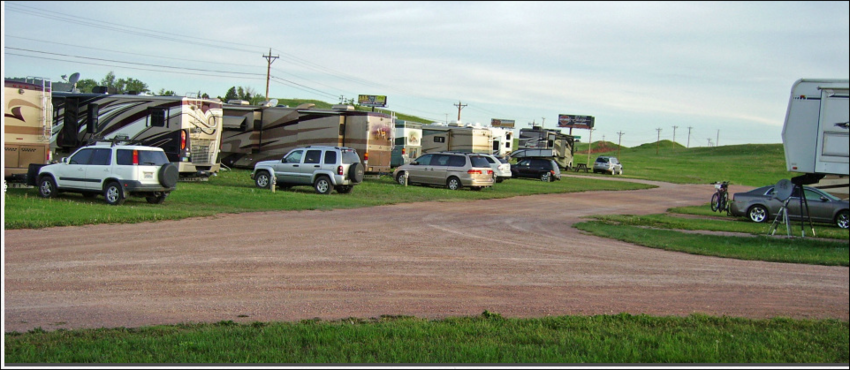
324 167
608 165
115 170
453 170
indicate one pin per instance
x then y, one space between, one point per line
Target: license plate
148 175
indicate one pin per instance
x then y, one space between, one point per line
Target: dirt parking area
518 257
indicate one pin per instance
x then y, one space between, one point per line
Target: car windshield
602 160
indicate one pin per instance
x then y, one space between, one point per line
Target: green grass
235 192
748 164
488 338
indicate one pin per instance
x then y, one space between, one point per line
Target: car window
541 163
82 157
440 160
479 161
460 161
602 160
145 157
313 156
293 156
503 160
330 157
489 159
349 156
101 157
524 163
425 159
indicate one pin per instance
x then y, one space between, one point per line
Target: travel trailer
187 128
503 141
27 125
408 142
815 135
258 133
562 146
456 137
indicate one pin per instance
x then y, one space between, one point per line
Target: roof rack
120 139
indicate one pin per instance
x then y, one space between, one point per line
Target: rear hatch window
349 156
478 161
141 157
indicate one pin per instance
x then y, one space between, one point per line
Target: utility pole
717 142
674 133
657 141
709 142
689 136
544 122
619 143
459 107
270 59
589 145
447 118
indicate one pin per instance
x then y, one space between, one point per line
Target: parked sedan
539 168
759 205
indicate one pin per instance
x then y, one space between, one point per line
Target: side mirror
415 163
823 199
65 160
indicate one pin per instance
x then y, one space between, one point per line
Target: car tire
114 194
47 187
499 180
168 175
758 213
157 198
323 185
346 189
546 177
453 183
842 219
400 178
356 172
263 180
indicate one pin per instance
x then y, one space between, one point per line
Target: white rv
815 135
502 141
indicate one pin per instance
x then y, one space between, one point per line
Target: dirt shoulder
519 257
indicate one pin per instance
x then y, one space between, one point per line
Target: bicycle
720 199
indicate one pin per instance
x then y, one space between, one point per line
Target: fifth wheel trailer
27 125
815 134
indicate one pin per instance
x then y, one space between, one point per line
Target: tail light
474 172
403 151
366 156
182 139
136 157
339 170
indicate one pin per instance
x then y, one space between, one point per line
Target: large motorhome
258 133
563 145
815 135
188 129
27 124
408 142
456 137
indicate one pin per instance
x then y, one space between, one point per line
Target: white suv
325 167
112 169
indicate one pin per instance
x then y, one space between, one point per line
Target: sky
699 73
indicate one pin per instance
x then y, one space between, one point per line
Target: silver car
759 205
608 165
453 170
324 167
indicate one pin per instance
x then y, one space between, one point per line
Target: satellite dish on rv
74 78
271 103
783 189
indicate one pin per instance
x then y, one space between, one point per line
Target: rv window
157 117
439 139
82 157
92 115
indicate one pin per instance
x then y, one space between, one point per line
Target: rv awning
234 122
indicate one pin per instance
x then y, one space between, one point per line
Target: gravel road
518 257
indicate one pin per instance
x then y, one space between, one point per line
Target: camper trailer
258 133
456 137
188 129
27 125
503 140
815 135
408 142
532 139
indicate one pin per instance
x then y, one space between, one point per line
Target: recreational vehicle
562 146
815 135
27 124
503 140
258 133
188 129
408 142
457 138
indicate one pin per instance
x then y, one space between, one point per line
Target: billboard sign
573 121
508 123
372 100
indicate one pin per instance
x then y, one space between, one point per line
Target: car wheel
757 213
47 187
157 198
453 183
323 185
842 220
263 180
344 189
114 194
400 178
546 177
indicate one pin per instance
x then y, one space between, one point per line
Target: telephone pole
619 143
717 142
658 141
689 136
674 133
459 107
270 59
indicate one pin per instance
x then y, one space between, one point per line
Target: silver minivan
453 170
